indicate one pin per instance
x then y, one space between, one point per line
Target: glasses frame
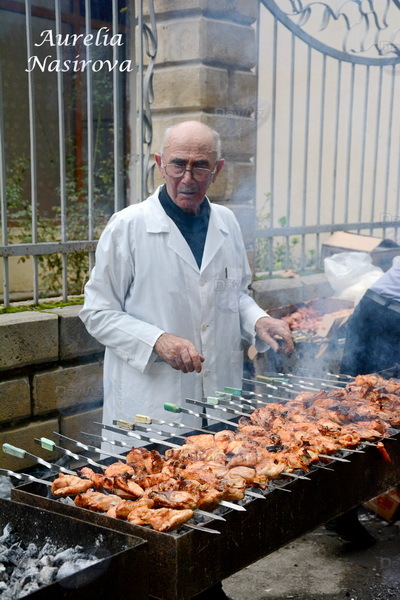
210 172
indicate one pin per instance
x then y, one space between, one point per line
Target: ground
320 566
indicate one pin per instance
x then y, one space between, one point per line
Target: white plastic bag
350 274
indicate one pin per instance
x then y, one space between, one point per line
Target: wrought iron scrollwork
149 39
366 34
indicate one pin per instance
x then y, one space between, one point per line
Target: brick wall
50 380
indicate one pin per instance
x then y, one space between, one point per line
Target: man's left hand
276 333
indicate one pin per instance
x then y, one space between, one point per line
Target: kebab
289 434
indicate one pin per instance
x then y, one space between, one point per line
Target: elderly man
168 295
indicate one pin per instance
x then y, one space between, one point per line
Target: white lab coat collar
157 221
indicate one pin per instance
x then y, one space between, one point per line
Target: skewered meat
96 501
99 481
124 507
118 468
161 519
273 441
174 499
69 485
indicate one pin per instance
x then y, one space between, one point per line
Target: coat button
203 326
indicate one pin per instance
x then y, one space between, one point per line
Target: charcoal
26 567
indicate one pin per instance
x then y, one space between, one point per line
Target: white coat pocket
227 289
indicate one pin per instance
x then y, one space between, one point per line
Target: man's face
189 146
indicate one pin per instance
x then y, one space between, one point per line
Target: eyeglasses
178 171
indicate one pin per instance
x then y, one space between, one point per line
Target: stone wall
205 70
50 380
51 369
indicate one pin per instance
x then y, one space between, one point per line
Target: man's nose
188 175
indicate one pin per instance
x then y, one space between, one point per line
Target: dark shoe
213 593
350 530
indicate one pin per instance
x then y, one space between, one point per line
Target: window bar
320 153
116 116
142 174
397 207
273 136
336 143
377 131
132 82
32 141
306 140
61 142
89 118
349 145
389 149
364 141
290 147
3 202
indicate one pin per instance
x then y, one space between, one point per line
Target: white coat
145 282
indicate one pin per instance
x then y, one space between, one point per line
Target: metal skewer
20 453
129 426
99 451
138 436
313 379
333 457
200 527
225 409
49 445
175 408
160 442
89 448
25 477
145 419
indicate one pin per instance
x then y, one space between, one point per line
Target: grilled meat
69 485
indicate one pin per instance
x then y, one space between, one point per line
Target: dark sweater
192 227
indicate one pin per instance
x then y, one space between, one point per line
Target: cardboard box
382 251
386 505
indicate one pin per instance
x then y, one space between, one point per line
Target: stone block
228 44
64 388
178 41
23 437
15 399
241 11
74 339
242 98
316 286
274 293
28 337
189 87
206 40
238 135
73 425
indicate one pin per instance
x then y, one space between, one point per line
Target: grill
184 563
121 557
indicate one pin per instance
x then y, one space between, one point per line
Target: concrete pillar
205 71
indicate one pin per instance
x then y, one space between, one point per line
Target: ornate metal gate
329 149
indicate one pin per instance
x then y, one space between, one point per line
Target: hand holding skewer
276 333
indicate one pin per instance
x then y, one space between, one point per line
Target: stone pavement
319 566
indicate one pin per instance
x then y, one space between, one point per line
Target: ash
25 568
5 487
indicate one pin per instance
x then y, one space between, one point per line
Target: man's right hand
179 353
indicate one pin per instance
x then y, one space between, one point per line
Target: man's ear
158 159
218 167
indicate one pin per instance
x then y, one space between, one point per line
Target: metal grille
328 143
82 112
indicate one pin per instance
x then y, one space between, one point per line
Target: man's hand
179 353
276 333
